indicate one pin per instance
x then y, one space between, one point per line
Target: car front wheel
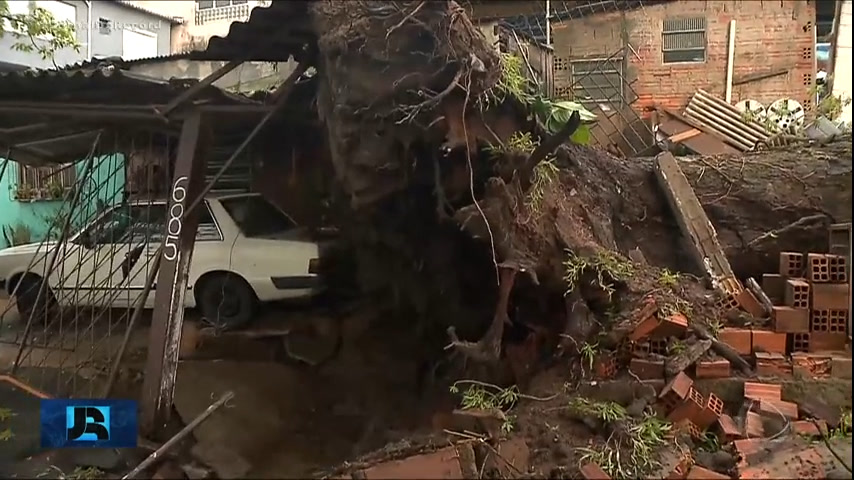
227 301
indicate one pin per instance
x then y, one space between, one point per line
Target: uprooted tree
471 216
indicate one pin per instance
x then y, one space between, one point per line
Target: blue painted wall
106 183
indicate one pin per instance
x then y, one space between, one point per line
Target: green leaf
582 135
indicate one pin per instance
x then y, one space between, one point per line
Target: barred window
44 183
683 40
596 81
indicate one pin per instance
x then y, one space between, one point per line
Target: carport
127 135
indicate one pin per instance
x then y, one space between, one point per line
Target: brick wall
770 35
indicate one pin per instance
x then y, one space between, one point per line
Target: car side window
207 226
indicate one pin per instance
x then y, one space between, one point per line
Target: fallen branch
551 144
179 436
760 294
723 349
796 224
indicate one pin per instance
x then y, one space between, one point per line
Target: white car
247 251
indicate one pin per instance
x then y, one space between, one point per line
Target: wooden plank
693 132
693 222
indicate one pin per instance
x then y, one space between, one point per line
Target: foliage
588 353
608 266
544 174
18 234
6 433
484 396
668 279
844 428
513 82
628 455
38 31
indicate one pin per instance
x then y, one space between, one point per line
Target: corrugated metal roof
272 34
725 120
119 62
108 85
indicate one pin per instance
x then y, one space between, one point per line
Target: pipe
88 29
548 23
730 58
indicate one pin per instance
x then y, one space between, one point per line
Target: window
215 10
138 44
256 217
105 26
683 40
143 223
206 4
44 183
597 81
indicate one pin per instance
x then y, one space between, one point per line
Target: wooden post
171 288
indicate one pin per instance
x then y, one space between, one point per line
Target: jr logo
87 424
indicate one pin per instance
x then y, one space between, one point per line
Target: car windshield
256 217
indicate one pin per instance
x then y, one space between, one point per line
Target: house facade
669 50
103 29
201 19
30 198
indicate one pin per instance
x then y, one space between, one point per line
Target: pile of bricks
809 319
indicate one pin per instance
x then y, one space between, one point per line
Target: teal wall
105 183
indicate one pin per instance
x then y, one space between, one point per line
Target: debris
700 473
591 471
687 357
758 391
179 436
713 369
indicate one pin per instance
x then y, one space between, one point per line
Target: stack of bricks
810 316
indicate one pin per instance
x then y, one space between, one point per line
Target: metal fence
95 256
602 80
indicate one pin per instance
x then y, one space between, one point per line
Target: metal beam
177 251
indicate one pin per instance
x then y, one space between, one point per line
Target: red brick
753 426
811 364
672 326
700 473
689 409
832 321
645 320
591 471
746 447
791 264
808 428
770 342
772 364
838 268
774 285
797 293
676 390
750 304
827 341
758 391
647 369
442 464
779 407
800 342
713 369
512 459
727 430
740 339
790 320
712 409
644 329
830 296
687 427
818 268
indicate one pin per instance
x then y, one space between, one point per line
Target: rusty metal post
177 250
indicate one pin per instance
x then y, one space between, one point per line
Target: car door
86 265
137 249
208 231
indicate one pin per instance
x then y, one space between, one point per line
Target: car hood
27 249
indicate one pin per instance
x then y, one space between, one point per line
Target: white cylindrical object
730 58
